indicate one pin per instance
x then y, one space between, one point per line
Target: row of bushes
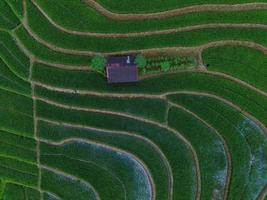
150 64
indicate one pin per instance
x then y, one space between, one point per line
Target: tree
165 66
140 61
98 63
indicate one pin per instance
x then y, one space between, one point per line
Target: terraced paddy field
197 133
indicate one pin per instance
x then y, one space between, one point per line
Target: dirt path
175 12
227 152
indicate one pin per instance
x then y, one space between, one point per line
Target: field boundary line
184 50
174 12
123 133
176 133
57 171
227 152
74 139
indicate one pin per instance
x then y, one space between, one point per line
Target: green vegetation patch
17 7
247 99
8 20
209 148
15 151
9 81
123 165
144 107
45 30
19 192
244 63
246 141
181 161
10 53
47 54
141 148
76 15
136 6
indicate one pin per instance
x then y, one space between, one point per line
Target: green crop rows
195 133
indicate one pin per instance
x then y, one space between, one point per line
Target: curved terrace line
160 96
18 170
89 162
182 50
147 33
150 50
259 123
132 95
174 12
176 133
226 148
61 173
125 133
74 140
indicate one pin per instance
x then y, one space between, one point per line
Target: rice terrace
133 100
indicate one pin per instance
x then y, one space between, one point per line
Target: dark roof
121 60
121 69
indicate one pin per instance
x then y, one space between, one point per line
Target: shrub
98 63
141 61
165 65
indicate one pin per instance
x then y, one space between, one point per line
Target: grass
49 33
9 81
26 143
19 109
18 177
10 53
135 6
246 142
18 165
69 188
77 16
16 152
8 20
13 191
244 63
136 146
19 192
2 188
213 161
16 6
101 179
